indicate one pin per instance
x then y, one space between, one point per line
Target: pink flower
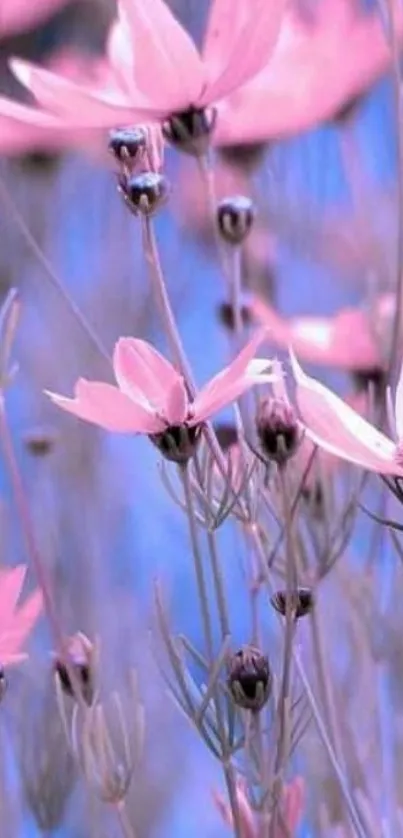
151 396
291 809
155 68
16 624
21 15
337 428
347 340
311 74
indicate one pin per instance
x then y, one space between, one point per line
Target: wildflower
145 193
235 218
310 78
346 340
337 428
278 429
81 658
302 602
16 624
156 72
250 678
151 397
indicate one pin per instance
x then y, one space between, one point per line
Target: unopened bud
226 315
250 678
235 217
178 443
127 145
144 194
302 602
190 131
278 429
77 673
3 683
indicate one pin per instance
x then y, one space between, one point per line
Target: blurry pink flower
347 340
156 70
151 395
337 428
311 75
22 15
16 623
292 806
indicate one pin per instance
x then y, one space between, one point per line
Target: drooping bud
80 668
278 429
190 131
178 443
250 678
302 602
144 194
235 217
226 315
127 145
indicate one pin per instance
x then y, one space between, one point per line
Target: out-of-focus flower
16 623
82 656
151 396
349 340
22 15
337 428
292 804
156 70
311 76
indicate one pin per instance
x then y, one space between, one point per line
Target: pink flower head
311 76
156 70
151 396
346 340
337 428
16 623
22 15
291 810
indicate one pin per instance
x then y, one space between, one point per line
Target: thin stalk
325 689
124 822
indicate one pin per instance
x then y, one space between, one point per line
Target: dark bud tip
302 602
82 673
144 194
127 145
235 217
249 679
226 434
178 443
190 131
3 683
278 430
226 317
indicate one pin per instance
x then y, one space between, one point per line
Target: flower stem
124 823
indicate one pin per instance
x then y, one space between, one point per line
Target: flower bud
178 443
226 315
278 430
127 145
81 653
3 683
235 217
249 679
302 602
190 131
144 194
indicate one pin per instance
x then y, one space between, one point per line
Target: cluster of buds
250 679
138 151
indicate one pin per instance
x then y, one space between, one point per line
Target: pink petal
143 373
336 427
257 24
169 70
82 105
21 15
11 582
109 408
232 381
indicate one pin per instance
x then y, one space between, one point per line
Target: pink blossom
151 395
155 68
291 809
337 428
311 74
347 340
21 15
16 623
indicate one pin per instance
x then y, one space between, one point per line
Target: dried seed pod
190 131
235 217
278 429
144 194
178 443
250 678
302 602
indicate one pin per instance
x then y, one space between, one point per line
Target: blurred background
326 233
